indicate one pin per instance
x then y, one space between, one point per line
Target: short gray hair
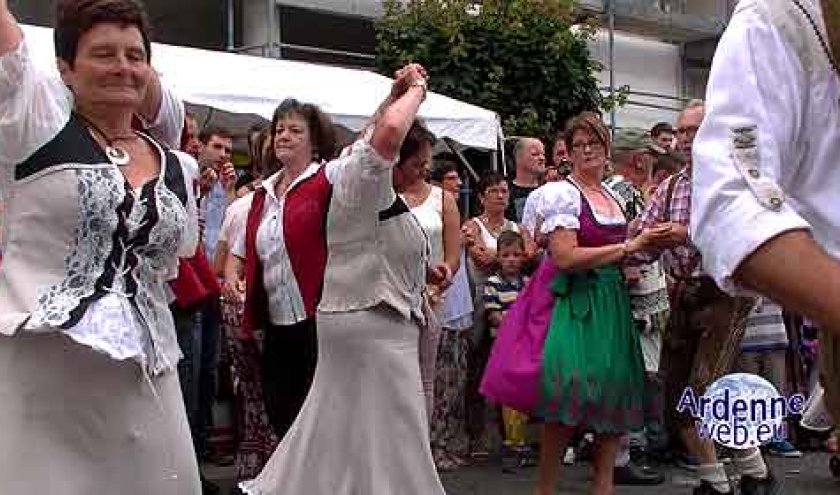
691 105
695 103
520 145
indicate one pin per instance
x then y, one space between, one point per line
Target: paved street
806 476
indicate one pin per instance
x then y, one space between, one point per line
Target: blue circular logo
741 410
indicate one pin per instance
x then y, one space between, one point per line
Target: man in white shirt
766 203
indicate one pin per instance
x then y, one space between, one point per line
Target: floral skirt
593 370
256 438
449 428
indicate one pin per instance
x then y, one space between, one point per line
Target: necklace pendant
117 155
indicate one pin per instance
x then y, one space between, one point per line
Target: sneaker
569 457
687 460
783 448
510 459
586 448
766 486
633 475
706 488
527 457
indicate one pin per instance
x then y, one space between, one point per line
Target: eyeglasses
593 145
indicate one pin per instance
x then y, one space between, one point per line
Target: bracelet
420 83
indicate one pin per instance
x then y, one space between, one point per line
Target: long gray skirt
363 427
76 422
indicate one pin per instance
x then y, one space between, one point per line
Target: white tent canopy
242 84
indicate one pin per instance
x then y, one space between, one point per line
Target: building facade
661 49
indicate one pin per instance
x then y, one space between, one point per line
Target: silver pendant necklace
116 155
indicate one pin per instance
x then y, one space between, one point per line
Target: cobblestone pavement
808 475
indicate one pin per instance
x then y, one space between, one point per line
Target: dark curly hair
321 130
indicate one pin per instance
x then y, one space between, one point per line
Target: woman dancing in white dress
363 427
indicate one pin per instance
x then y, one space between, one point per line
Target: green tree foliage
520 58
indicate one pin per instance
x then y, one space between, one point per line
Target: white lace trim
100 192
110 325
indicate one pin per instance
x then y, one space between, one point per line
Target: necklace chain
108 140
117 155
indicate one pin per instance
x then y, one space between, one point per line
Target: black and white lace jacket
83 253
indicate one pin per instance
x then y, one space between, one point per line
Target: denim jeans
210 342
188 328
199 335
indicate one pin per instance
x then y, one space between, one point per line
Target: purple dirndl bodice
594 234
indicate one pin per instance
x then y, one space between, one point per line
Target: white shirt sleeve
189 168
529 213
235 218
170 120
34 107
361 177
750 132
560 208
237 239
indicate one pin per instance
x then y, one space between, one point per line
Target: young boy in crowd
500 293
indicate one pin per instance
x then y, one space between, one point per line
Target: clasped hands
412 75
662 236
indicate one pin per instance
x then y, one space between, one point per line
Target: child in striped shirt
500 293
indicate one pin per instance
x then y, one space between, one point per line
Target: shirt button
776 203
754 173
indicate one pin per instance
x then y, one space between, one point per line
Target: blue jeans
211 330
188 328
199 334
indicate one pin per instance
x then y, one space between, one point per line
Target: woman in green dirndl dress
593 371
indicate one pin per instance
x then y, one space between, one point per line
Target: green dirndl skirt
593 370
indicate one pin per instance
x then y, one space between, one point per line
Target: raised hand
228 177
408 77
10 33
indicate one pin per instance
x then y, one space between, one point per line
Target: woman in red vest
283 254
363 428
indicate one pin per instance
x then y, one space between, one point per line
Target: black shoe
765 486
706 488
632 474
209 488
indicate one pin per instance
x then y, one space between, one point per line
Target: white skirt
363 427
75 422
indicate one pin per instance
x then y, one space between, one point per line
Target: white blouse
236 216
766 157
561 207
285 303
35 109
286 306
